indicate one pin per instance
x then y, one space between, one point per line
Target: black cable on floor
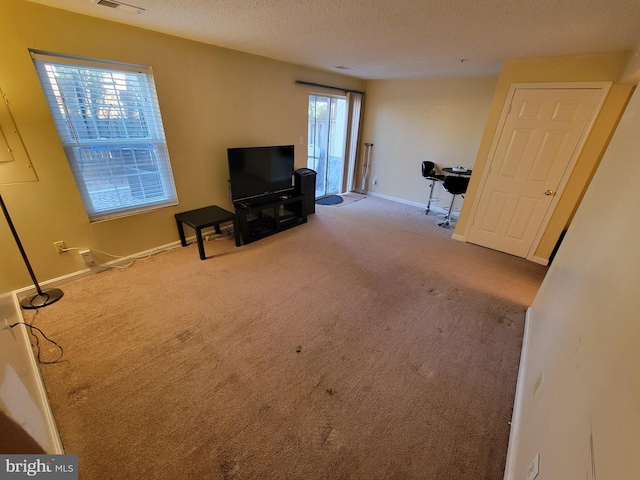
37 345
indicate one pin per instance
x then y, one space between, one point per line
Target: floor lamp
43 297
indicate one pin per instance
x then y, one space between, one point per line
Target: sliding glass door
327 136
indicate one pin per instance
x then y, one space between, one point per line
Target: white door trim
604 87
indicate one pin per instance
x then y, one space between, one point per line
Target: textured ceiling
383 39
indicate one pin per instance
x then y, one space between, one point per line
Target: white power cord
132 258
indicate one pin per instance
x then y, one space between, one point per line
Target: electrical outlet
60 247
87 257
375 180
534 467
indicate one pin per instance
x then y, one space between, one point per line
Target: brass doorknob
549 192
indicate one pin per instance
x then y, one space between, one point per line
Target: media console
259 218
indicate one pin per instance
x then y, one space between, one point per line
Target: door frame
604 88
346 138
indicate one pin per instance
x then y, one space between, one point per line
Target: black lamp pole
43 297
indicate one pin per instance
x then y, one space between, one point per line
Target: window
109 123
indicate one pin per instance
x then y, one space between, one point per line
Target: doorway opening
327 132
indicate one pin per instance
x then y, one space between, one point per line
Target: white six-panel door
542 134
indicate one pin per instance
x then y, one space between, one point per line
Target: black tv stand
260 217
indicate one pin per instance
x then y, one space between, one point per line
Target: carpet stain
233 378
230 379
79 394
184 335
229 470
506 321
325 433
453 293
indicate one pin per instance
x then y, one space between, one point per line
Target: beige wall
590 68
211 99
584 335
410 121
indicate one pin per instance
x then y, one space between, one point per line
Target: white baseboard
409 202
514 435
59 281
55 443
540 260
53 283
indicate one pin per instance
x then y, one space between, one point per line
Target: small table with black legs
205 217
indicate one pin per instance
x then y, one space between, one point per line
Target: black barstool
455 185
429 172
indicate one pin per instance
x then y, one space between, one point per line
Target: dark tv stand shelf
260 218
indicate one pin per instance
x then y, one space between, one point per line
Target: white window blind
109 123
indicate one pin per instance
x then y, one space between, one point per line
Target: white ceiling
384 39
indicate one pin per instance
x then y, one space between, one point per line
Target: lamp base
39 300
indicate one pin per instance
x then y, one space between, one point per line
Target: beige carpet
365 344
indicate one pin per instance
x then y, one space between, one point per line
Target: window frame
108 119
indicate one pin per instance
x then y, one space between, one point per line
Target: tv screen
260 171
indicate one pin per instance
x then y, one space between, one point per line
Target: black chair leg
433 184
447 220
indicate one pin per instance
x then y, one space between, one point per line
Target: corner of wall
631 74
509 469
23 398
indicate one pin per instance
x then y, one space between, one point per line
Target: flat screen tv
257 173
